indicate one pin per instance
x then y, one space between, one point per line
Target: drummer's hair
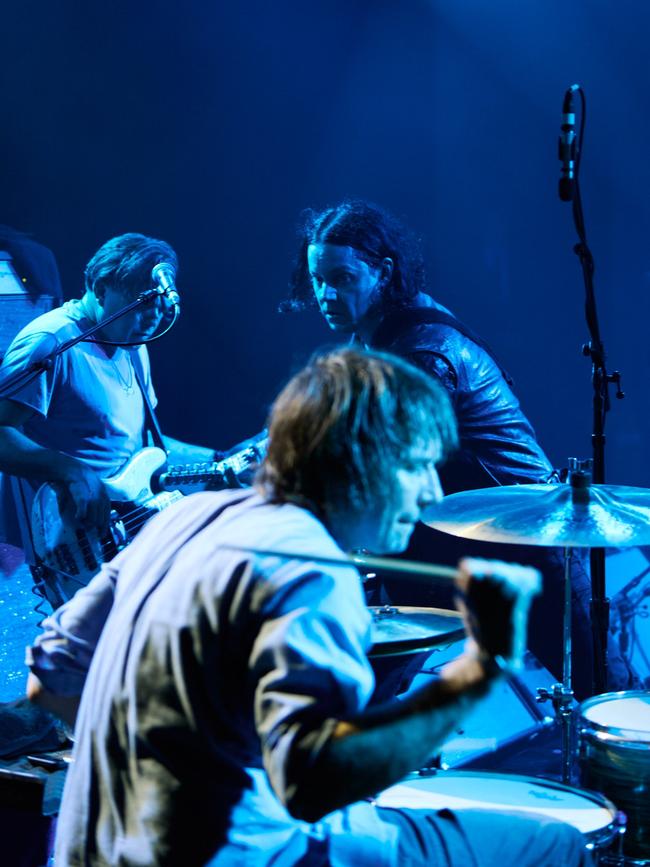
343 425
125 263
375 234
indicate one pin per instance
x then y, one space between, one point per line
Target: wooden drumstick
410 567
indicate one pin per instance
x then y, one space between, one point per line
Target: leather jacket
497 442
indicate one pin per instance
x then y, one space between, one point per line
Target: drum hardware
628 604
572 515
561 694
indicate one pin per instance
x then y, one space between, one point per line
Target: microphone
164 275
567 146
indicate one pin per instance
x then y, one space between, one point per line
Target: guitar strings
133 521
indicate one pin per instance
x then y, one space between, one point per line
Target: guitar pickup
90 561
65 560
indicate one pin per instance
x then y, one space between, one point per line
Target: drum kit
613 729
613 753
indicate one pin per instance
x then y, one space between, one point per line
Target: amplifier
16 311
17 306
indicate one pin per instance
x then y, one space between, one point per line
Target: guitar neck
213 474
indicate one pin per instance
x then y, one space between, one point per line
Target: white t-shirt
88 405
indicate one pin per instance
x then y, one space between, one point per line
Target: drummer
224 718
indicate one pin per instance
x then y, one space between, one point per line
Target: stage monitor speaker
17 307
502 721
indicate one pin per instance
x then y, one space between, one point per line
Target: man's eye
420 466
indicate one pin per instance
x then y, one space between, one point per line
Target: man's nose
328 293
431 491
154 311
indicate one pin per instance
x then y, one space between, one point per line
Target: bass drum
614 757
592 814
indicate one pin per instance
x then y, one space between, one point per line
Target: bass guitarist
83 418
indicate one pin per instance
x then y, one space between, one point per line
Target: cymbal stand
570 153
561 694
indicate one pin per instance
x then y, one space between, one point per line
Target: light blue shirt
211 666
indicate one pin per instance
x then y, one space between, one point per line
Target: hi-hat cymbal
598 516
398 631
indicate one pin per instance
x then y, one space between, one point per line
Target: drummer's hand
494 601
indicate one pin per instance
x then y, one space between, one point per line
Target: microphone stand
35 368
601 379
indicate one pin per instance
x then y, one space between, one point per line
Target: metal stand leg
561 694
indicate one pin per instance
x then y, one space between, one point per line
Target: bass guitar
137 491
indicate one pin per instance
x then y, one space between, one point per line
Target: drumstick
410 567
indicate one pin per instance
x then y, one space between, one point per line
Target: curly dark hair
375 234
343 424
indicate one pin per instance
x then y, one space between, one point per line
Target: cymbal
403 630
597 516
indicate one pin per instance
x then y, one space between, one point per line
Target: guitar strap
151 422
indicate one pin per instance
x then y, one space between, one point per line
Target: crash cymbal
594 516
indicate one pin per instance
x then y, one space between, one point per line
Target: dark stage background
213 124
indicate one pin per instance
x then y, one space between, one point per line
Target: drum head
589 812
622 714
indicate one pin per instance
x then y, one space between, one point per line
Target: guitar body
78 553
132 483
73 555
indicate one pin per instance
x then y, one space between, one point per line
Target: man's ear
386 271
99 290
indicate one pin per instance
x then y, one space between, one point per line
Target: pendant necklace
126 383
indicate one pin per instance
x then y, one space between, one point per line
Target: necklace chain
125 383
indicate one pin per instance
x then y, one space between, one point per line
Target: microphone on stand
567 146
164 275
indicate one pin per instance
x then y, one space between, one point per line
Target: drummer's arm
366 754
376 749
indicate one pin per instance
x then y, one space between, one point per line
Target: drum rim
591 794
624 733
597 838
395 609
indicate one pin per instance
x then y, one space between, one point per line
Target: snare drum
592 814
614 738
